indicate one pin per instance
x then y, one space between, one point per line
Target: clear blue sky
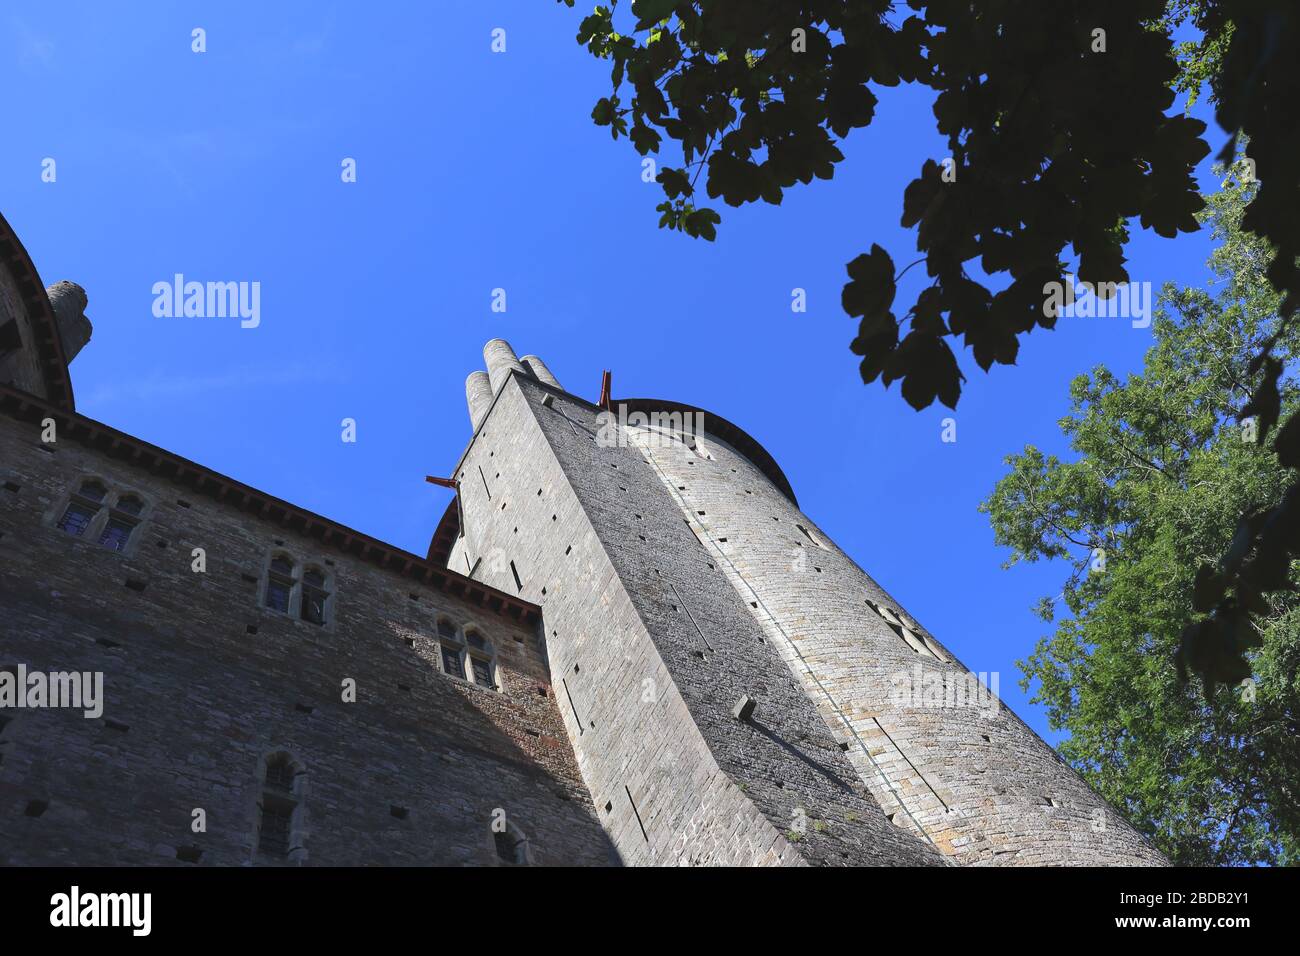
475 171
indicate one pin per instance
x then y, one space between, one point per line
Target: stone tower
735 688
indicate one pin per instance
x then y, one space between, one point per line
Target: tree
1059 134
1163 469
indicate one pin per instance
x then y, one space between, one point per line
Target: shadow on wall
400 777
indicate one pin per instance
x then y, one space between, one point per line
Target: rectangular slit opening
572 705
637 812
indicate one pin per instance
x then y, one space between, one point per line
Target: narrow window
451 661
314 596
519 585
279 585
76 518
82 508
115 534
274 838
279 774
279 801
122 520
481 664
482 672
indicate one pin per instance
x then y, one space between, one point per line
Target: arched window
89 514
280 807
450 653
82 508
291 589
481 664
122 520
279 584
314 596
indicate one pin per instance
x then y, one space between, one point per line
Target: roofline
198 478
49 345
719 427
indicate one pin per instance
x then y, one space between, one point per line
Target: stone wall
942 758
202 684
650 648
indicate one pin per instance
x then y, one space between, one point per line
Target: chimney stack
540 371
500 358
478 394
482 387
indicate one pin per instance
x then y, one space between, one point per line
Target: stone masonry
202 682
677 576
627 645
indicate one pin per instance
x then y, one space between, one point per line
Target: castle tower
735 688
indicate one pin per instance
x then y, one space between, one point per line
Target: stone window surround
461 645
297 820
911 632
300 565
105 509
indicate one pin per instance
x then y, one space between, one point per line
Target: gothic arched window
101 512
298 591
82 508
122 520
314 596
450 653
481 664
279 584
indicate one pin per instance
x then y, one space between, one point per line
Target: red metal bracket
606 383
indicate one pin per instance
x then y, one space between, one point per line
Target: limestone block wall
650 647
968 775
202 683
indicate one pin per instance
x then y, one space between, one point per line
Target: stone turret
69 302
735 688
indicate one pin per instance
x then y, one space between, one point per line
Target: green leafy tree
1161 472
1060 138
